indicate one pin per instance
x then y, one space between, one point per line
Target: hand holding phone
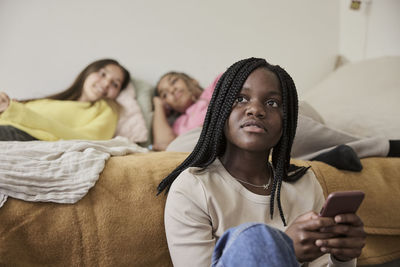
342 202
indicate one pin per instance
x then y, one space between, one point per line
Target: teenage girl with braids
228 181
178 93
85 110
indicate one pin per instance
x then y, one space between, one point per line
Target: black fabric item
296 172
394 148
341 157
10 133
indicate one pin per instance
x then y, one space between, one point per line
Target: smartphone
342 202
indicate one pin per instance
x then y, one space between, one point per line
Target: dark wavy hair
212 141
75 90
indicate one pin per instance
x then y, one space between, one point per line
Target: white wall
45 43
373 31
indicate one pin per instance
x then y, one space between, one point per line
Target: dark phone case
342 202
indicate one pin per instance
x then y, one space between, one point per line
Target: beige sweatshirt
202 205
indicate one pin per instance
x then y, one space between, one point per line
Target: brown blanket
120 221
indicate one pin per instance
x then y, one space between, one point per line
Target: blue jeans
254 244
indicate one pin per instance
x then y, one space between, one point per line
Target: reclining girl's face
105 83
175 93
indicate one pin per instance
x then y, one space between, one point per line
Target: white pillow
144 97
361 98
307 110
131 123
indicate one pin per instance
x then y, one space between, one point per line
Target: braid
212 141
281 152
212 134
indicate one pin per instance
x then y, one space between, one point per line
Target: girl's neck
247 166
251 170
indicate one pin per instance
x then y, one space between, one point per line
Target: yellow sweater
51 120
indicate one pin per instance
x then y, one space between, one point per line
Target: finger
341 242
307 237
316 235
4 101
349 218
317 224
345 230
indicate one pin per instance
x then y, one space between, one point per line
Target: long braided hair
212 141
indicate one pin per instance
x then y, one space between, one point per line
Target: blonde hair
190 82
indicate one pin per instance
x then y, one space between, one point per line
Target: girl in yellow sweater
86 110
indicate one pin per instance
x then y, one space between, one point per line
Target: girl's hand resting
4 101
160 105
343 236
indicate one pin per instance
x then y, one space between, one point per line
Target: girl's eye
241 99
115 85
102 73
273 103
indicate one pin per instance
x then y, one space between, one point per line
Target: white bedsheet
61 171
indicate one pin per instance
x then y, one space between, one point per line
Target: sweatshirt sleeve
187 223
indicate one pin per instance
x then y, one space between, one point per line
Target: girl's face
105 83
255 122
175 93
